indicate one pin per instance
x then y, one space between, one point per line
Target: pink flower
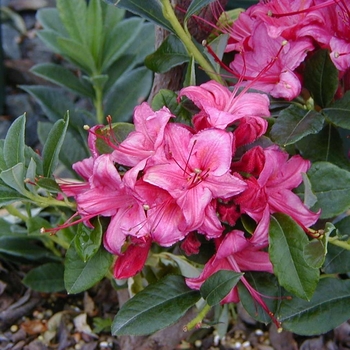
195 171
147 137
235 253
220 108
271 63
271 191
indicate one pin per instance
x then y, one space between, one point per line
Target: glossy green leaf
150 9
88 241
63 77
218 285
31 176
157 306
9 195
14 178
337 260
94 28
50 20
120 133
52 146
126 31
168 98
74 24
170 53
73 148
315 253
48 184
132 88
339 112
14 142
331 186
143 44
286 250
294 123
47 278
321 78
268 289
77 54
327 309
326 145
35 224
80 276
190 76
186 268
26 249
309 197
196 6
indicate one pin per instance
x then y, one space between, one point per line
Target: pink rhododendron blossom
271 63
197 170
220 108
235 253
133 259
147 137
271 190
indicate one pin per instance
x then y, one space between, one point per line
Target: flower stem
198 319
98 104
186 39
339 243
15 212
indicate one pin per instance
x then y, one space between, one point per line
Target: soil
36 321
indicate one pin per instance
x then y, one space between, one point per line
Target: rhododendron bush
234 189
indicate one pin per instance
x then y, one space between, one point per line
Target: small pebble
14 328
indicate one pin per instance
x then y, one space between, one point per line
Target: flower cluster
280 34
168 182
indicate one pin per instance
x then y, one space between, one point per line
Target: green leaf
35 224
186 269
8 195
50 20
48 184
77 54
14 178
321 78
337 260
94 29
26 249
126 31
218 45
168 98
338 112
53 144
88 241
63 77
150 9
50 39
120 133
171 53
218 285
80 276
294 123
14 142
157 306
326 145
196 6
47 278
286 250
190 77
309 197
73 17
31 175
72 150
331 186
269 290
143 44
315 253
326 310
132 88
